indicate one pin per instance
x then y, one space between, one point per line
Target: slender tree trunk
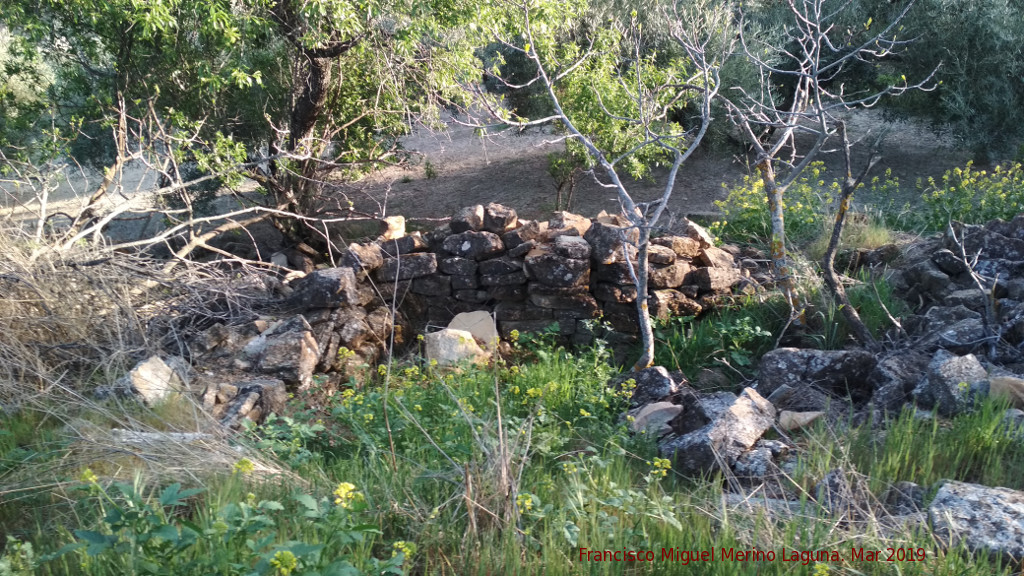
780 258
643 309
832 282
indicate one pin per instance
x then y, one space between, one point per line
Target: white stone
449 347
655 417
153 380
789 420
480 324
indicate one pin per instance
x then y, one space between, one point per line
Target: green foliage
158 533
974 196
806 205
977 47
978 446
734 337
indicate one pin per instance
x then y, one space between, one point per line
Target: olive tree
291 94
786 134
619 103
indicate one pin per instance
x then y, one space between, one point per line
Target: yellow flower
368 416
524 502
584 413
418 408
244 467
284 562
346 494
513 335
406 548
89 477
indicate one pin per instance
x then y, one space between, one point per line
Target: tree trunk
780 259
643 310
828 267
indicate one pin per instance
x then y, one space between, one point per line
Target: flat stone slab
983 518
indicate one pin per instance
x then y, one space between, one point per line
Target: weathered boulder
714 280
654 418
573 247
456 266
517 278
405 245
362 258
432 285
499 266
450 347
499 219
288 351
470 218
474 245
757 465
652 385
562 298
566 223
551 269
951 383
671 276
407 267
660 255
989 520
715 258
894 378
330 288
606 236
950 263
528 231
843 372
697 232
480 324
616 272
667 303
153 380
718 445
615 292
682 246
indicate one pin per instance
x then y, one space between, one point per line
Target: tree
616 102
822 46
289 93
978 49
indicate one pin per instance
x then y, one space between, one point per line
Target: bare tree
652 94
815 61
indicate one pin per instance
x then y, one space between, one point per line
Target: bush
974 196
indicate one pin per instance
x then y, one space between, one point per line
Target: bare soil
457 168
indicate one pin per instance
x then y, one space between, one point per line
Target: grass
469 491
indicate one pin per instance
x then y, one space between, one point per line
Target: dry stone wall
530 276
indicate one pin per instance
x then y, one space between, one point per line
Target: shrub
974 196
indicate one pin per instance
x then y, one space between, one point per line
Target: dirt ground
512 168
456 168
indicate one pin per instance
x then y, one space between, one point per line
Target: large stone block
407 267
986 520
720 443
474 245
562 298
671 276
329 288
499 219
553 270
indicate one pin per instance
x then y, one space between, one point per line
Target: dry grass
73 321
